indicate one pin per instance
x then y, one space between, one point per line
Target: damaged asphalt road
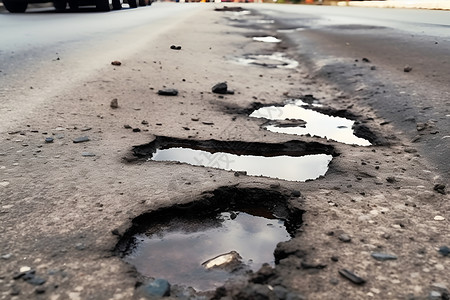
373 227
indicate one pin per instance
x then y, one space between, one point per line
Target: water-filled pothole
293 160
275 60
222 236
266 39
313 123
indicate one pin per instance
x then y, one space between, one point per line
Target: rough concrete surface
63 211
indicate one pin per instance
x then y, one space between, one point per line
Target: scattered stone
230 8
126 126
173 47
435 295
7 256
208 123
35 280
391 179
439 218
228 261
24 269
345 238
383 256
296 193
239 173
168 92
157 288
220 88
351 276
373 68
86 129
49 140
144 122
40 290
81 139
4 183
407 69
116 63
335 258
80 246
136 130
87 154
444 250
440 188
308 265
114 103
366 60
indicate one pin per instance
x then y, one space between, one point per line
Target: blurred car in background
20 6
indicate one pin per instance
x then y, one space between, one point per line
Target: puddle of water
317 124
294 168
266 39
181 249
290 30
275 60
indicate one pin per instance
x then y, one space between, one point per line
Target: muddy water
177 251
294 168
317 124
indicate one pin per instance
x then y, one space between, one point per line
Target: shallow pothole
294 118
223 236
275 60
293 160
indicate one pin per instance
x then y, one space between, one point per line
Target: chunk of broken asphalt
81 139
351 276
168 92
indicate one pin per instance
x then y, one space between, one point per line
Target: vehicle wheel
60 4
132 3
116 4
102 5
73 4
14 6
142 3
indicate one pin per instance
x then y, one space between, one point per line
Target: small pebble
114 103
116 63
24 269
345 238
168 92
80 246
444 250
7 256
81 139
407 69
351 276
383 256
439 218
49 140
87 154
173 47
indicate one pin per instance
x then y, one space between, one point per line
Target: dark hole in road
285 119
293 160
222 236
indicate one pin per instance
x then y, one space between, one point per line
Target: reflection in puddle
295 168
184 250
290 30
266 39
317 124
276 60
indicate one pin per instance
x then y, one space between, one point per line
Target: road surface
72 188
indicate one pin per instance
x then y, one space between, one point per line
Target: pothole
275 60
293 118
293 160
223 236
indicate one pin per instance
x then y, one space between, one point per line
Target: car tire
60 4
15 6
132 3
116 5
142 3
102 5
